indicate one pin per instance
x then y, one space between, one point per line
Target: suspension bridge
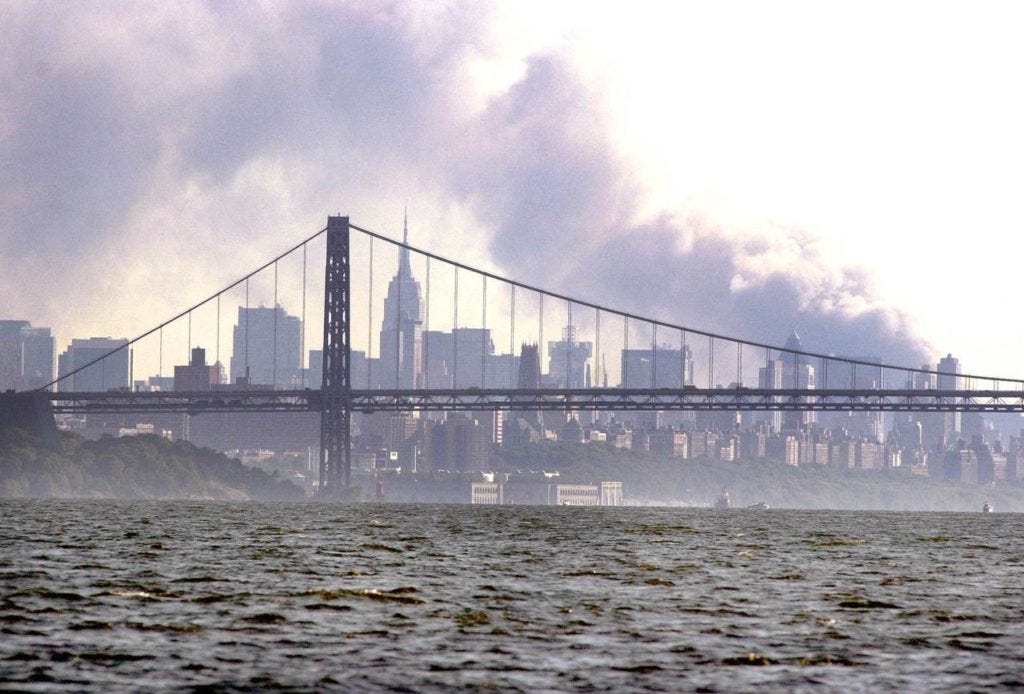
664 366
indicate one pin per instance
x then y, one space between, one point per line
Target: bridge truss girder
718 399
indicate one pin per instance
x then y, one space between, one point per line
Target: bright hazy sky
867 156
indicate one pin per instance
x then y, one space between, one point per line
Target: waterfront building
491 493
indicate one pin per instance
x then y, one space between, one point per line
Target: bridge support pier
336 389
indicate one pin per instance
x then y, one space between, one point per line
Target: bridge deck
742 399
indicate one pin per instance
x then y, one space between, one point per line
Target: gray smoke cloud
154 143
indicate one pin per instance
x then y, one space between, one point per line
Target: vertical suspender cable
247 331
483 337
398 326
369 323
274 371
654 355
711 362
455 333
625 350
426 334
540 338
302 340
512 338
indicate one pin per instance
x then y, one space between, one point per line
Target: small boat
761 505
723 500
987 508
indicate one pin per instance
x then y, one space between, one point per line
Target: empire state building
401 332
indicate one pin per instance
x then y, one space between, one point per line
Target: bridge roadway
463 399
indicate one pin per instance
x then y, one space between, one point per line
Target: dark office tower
529 379
197 374
260 335
950 427
401 336
529 368
111 373
472 349
26 356
567 362
658 368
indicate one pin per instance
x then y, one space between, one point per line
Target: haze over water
140 595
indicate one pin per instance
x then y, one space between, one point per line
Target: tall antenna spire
404 266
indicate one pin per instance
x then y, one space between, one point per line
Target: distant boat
723 500
761 505
987 508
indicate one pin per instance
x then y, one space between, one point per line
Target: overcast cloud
190 142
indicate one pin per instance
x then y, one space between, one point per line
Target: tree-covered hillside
133 467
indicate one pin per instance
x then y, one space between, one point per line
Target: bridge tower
336 389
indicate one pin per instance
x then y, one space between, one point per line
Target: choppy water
143 595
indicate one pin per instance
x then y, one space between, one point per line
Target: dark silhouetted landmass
131 467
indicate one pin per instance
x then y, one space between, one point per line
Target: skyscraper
266 347
26 355
950 427
111 373
799 374
567 362
663 367
401 338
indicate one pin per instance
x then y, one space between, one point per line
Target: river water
148 595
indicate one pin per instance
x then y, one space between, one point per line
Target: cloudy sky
849 170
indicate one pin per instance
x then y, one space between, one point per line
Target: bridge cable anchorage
665 324
180 315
